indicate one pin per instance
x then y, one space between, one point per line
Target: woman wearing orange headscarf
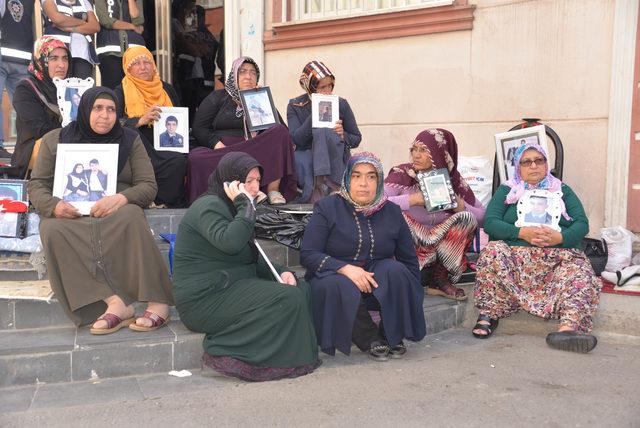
140 97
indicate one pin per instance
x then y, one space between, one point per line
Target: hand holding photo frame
171 132
437 190
259 110
85 173
507 144
540 207
325 110
69 92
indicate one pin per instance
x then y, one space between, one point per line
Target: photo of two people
86 183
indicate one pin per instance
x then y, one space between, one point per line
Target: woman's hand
339 129
219 145
66 210
289 278
235 188
460 206
548 237
108 205
360 277
531 234
150 116
416 199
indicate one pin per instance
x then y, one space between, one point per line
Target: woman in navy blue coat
359 255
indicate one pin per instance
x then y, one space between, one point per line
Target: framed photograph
325 110
437 190
171 132
508 142
69 92
85 173
14 204
540 207
259 108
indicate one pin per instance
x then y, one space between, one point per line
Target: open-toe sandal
448 290
572 341
114 323
487 328
156 322
379 351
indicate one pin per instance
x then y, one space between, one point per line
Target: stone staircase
39 344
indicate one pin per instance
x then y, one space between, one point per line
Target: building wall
549 59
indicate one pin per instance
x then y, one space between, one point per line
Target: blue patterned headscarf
380 199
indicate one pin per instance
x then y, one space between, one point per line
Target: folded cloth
625 279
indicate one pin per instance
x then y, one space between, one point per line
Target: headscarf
443 150
380 199
312 74
140 94
80 132
231 85
233 166
518 185
39 65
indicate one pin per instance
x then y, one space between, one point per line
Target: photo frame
259 110
540 207
69 92
325 110
437 190
85 173
14 203
171 131
508 142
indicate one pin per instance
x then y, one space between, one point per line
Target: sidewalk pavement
448 380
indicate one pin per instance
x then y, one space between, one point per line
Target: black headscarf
80 132
232 166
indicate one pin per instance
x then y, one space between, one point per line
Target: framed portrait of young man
85 173
171 131
259 110
507 144
69 92
325 110
437 190
538 207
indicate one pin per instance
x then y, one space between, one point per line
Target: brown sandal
114 323
448 290
156 322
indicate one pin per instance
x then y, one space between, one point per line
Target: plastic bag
279 226
620 243
477 171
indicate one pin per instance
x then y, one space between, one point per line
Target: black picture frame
437 190
259 110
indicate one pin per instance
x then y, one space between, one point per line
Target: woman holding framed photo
102 263
321 153
220 127
536 267
441 238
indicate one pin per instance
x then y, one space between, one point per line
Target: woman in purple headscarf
534 266
220 127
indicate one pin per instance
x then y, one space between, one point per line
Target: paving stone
440 318
187 353
16 399
126 359
293 257
14 342
159 224
124 336
85 393
160 385
7 321
37 313
30 369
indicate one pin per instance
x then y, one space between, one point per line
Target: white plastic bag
477 171
620 243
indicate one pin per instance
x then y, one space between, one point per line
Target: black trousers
111 70
80 68
365 331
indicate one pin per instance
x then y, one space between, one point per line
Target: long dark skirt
272 148
90 259
336 300
255 329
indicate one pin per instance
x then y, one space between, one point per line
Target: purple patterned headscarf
380 199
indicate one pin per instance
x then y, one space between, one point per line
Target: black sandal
398 351
572 341
488 328
379 351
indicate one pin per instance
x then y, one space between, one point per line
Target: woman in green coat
255 328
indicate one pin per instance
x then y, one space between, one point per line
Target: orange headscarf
139 94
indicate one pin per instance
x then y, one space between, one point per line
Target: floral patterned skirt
234 367
552 283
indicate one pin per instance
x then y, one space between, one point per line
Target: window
304 10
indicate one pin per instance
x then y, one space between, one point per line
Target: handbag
597 252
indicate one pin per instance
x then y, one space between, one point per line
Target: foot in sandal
156 315
117 315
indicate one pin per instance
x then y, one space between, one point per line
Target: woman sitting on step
102 263
533 266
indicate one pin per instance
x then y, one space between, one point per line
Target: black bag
285 228
597 252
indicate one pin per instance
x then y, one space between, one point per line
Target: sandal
572 341
114 323
487 328
448 290
156 322
276 198
398 351
379 351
